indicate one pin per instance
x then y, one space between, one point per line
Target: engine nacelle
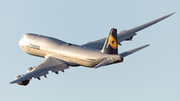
122 59
25 82
119 60
129 39
30 69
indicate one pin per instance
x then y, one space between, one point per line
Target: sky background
152 74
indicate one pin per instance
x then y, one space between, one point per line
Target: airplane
59 55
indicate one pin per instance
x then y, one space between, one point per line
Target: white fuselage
73 55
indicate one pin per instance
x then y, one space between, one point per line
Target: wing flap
41 73
53 64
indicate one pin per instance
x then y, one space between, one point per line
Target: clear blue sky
151 74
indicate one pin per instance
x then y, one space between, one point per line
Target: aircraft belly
86 63
77 60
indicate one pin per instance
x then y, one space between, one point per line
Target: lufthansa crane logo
112 42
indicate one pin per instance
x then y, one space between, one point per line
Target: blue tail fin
110 45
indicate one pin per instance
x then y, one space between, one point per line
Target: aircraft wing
124 35
49 64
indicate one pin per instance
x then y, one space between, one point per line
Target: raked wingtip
172 13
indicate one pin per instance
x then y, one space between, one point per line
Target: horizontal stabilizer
124 54
103 63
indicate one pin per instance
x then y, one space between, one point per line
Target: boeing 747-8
59 55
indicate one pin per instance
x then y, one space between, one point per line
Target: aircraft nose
21 42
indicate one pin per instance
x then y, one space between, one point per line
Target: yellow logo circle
112 42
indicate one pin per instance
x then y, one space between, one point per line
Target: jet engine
30 69
121 60
129 39
25 82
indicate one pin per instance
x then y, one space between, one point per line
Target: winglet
124 54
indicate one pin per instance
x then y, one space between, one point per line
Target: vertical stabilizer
110 45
